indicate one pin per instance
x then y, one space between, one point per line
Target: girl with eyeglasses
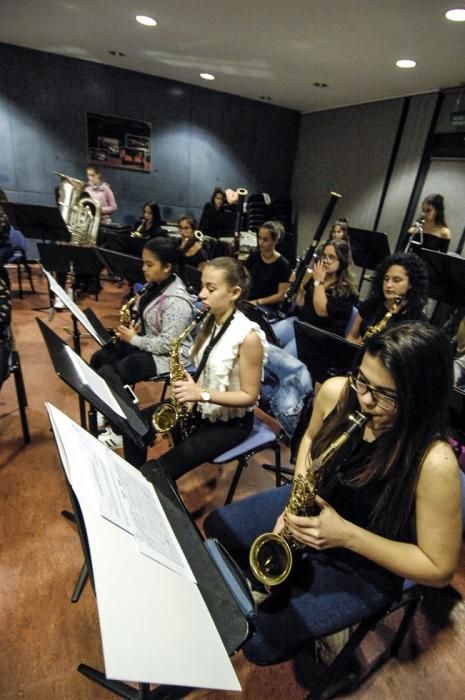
389 511
326 296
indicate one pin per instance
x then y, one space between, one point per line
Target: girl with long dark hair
390 510
436 235
400 285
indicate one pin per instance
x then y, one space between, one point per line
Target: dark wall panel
200 138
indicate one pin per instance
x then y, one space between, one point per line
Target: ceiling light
207 76
116 53
406 63
322 85
457 15
146 21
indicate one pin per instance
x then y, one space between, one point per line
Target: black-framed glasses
384 401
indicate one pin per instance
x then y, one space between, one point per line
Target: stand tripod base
143 692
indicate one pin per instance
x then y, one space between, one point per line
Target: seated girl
269 270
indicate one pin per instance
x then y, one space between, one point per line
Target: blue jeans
322 596
287 386
285 333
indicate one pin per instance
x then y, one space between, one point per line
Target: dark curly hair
417 295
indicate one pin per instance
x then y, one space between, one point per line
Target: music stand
37 221
446 275
129 424
121 265
325 354
369 248
122 243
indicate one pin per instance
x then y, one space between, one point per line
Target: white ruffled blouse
221 372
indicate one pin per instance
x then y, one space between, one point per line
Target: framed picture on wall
118 142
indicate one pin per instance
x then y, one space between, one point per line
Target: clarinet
308 260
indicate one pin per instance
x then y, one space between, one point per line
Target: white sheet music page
71 306
89 376
119 492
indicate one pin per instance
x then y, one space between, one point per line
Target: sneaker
101 421
58 304
111 440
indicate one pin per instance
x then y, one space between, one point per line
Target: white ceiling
258 48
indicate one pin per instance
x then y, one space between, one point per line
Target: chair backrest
17 239
255 314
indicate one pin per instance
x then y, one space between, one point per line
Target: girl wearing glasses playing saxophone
389 511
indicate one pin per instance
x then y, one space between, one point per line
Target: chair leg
277 461
331 680
235 480
20 282
28 270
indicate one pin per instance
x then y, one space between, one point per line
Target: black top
372 311
217 222
355 503
435 243
339 310
266 277
196 259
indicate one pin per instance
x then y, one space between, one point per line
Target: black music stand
123 243
325 354
121 265
131 426
446 273
369 248
37 221
229 619
59 258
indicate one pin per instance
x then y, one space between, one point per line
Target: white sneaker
101 421
111 439
58 304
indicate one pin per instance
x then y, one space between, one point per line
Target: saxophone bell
271 555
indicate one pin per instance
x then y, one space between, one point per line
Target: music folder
86 318
324 353
155 623
114 403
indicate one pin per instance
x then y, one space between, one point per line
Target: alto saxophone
172 412
271 554
381 325
126 313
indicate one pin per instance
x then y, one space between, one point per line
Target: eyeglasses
384 401
329 258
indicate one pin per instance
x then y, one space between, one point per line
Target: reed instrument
416 230
139 231
170 413
381 325
80 213
271 555
307 260
237 197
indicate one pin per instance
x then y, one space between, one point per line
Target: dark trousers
323 594
208 441
130 364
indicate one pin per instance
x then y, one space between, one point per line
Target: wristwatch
205 396
316 283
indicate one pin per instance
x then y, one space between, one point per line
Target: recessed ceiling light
406 63
322 85
146 21
457 15
207 76
116 53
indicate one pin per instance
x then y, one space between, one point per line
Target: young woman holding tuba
389 510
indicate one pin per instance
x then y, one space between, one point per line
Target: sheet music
89 376
118 492
72 306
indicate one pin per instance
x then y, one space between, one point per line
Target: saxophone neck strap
214 339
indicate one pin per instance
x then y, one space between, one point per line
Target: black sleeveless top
355 503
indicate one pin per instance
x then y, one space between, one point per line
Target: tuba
80 214
271 554
168 414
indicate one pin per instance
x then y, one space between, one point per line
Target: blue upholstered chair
261 438
19 258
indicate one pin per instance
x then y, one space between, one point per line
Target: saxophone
381 325
271 554
126 313
172 412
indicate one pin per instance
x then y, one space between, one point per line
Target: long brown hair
345 281
235 275
418 357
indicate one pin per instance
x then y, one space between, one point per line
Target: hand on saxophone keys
186 390
323 531
126 334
